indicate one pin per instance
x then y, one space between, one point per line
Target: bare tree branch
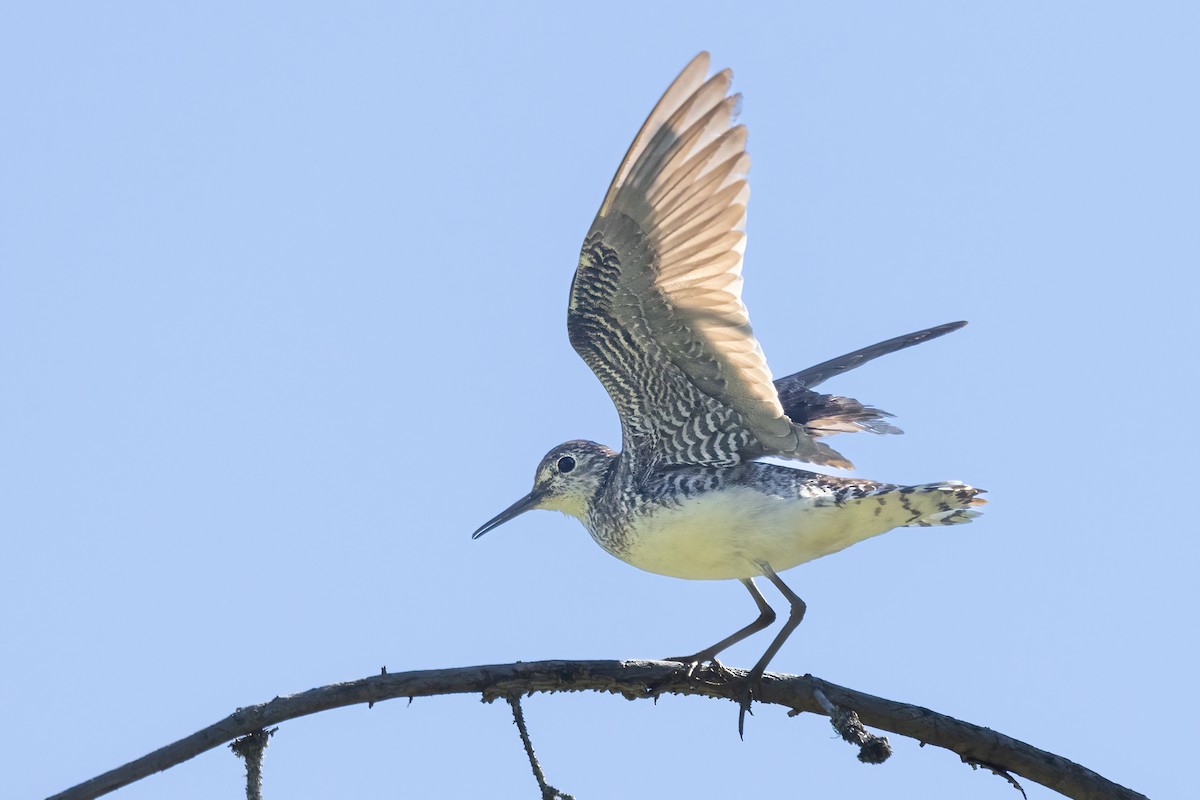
548 791
250 749
976 745
872 749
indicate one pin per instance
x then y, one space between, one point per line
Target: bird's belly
728 534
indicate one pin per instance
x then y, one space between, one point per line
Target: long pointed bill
516 509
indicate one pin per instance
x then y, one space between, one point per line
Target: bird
656 312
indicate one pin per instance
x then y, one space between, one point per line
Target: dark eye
566 464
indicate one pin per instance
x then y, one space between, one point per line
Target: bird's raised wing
656 308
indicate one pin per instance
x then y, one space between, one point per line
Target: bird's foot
751 688
744 699
694 662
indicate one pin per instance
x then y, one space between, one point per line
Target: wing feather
656 307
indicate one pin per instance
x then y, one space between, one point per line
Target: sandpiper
656 312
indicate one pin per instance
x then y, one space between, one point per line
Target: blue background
282 301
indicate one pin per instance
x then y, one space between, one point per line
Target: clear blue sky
282 320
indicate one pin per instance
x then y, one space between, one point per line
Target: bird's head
567 480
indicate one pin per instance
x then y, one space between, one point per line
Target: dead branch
548 791
250 749
633 679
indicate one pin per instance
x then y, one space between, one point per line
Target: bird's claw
744 699
751 687
693 663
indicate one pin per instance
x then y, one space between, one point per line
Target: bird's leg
766 615
754 679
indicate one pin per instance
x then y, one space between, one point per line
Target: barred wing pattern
656 308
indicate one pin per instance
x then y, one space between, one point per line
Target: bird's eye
566 464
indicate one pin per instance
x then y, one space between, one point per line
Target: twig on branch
998 771
632 679
548 791
249 748
872 749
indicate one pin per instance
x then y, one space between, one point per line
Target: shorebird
656 312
